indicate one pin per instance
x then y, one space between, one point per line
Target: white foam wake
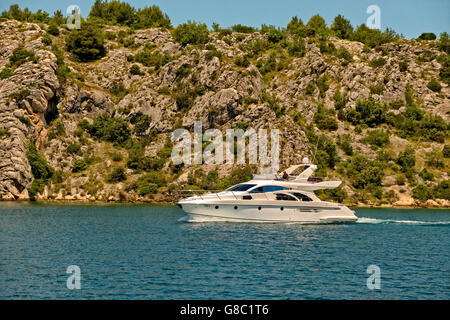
198 219
385 221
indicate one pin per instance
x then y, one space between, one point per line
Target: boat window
283 196
257 190
241 187
267 189
302 197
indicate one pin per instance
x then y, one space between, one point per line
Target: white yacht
270 198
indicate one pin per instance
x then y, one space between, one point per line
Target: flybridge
308 170
303 181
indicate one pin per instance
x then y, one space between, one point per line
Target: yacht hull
310 213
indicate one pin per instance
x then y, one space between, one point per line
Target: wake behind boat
271 198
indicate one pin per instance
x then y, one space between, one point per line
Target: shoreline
163 202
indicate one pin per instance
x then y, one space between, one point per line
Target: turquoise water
143 252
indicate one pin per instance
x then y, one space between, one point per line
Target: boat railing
197 193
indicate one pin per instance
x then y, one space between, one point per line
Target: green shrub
364 173
274 35
236 176
322 85
116 157
4 133
37 186
310 88
164 90
73 148
150 182
118 89
326 47
191 33
141 124
297 47
342 27
396 104
377 62
153 17
407 159
62 71
369 112
185 95
427 36
117 175
444 43
152 59
135 70
25 121
442 190
6 73
421 193
21 56
109 128
46 40
446 151
295 26
435 159
242 61
113 12
373 37
53 30
213 53
377 89
344 142
39 166
317 24
116 12
325 118
340 100
79 165
242 29
343 53
377 138
19 96
256 47
403 66
434 85
87 43
426 175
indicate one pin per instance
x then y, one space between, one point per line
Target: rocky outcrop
221 94
23 117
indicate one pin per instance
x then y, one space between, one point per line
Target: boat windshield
241 187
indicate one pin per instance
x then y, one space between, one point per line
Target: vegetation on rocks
374 105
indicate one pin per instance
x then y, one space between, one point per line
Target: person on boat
285 176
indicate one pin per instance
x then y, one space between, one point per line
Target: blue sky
409 17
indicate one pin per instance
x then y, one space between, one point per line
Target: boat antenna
315 151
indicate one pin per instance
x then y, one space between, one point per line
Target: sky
407 17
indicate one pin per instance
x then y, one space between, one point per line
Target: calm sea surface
144 252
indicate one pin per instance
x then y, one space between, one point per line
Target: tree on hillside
153 17
317 23
427 36
86 44
191 33
342 27
295 25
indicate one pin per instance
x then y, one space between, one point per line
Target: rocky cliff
156 85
